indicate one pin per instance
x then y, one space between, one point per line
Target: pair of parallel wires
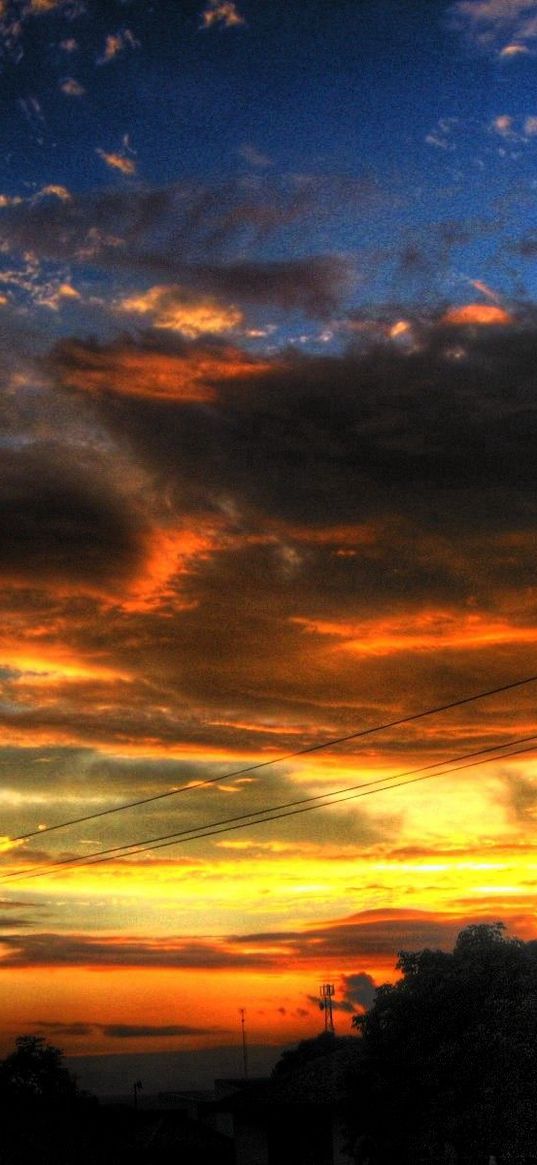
287 808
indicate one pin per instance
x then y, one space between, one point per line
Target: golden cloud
173 310
53 190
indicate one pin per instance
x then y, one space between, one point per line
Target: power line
272 813
277 760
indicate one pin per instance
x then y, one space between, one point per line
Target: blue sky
418 120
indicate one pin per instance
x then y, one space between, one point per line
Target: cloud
146 370
514 50
192 237
16 14
53 190
172 308
503 125
482 314
61 522
123 1031
223 13
315 285
117 43
71 87
119 162
254 157
9 200
504 28
59 1028
285 531
359 990
369 936
56 950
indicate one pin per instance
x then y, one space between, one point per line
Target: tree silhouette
448 1066
36 1070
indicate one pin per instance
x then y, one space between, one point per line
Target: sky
268 321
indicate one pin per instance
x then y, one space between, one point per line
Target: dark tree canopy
294 1058
35 1070
449 1054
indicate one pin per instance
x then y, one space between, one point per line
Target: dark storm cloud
60 522
358 989
315 285
442 433
343 497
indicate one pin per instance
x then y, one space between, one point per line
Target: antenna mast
326 994
242 1011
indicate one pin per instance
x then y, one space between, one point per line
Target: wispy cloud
124 1031
72 88
504 28
503 125
223 13
116 161
117 43
254 157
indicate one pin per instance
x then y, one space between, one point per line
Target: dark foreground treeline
446 1070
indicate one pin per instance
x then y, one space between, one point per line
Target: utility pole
326 994
136 1088
242 1011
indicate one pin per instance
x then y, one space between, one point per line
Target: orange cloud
170 553
118 162
477 313
116 43
426 631
138 372
222 12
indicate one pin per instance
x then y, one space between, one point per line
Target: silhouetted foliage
45 1118
449 1064
304 1052
35 1070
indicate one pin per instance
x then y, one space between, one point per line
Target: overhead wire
290 809
306 750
